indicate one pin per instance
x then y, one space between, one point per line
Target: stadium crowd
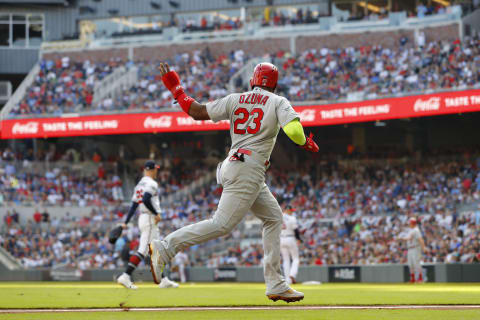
204 76
62 86
61 188
349 212
315 74
331 74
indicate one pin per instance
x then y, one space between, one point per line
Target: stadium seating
316 74
349 212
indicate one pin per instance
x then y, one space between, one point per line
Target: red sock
420 277
412 277
134 262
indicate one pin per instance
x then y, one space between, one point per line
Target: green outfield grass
106 295
102 295
260 315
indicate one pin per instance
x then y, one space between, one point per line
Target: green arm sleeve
294 130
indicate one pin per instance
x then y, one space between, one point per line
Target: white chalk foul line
247 308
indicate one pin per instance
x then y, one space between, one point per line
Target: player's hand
310 145
171 80
124 226
157 218
164 68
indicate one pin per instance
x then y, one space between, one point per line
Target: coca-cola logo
26 128
307 115
160 122
431 104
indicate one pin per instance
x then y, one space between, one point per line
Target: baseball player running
416 246
289 237
255 120
145 196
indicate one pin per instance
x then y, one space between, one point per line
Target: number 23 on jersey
242 114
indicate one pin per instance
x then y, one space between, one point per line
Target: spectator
37 216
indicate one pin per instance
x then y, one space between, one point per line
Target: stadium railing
20 92
245 72
8 261
254 30
5 91
190 189
120 79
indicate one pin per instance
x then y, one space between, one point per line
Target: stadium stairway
192 188
7 261
244 73
122 78
20 92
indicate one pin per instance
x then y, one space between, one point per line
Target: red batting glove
310 145
171 80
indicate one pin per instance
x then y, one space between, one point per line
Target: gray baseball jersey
414 254
414 237
255 118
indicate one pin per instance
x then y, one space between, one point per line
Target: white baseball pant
289 250
181 272
414 257
148 232
244 190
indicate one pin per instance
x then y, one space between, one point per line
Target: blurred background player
145 197
289 239
416 246
255 120
181 261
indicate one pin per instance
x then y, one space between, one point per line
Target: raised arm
171 80
294 130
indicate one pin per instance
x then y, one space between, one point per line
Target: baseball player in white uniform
255 120
145 197
181 260
416 246
289 238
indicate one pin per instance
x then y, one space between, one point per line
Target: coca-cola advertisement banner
315 115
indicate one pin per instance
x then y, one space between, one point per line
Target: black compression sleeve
297 235
147 201
131 212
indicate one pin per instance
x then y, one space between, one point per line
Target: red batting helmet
265 74
412 221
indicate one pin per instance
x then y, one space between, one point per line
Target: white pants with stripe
414 256
148 231
289 249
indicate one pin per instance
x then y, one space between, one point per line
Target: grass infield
109 295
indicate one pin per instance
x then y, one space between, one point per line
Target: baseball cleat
288 296
167 283
156 264
126 281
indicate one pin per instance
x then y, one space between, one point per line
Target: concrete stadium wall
17 61
258 47
254 47
395 273
388 39
26 212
